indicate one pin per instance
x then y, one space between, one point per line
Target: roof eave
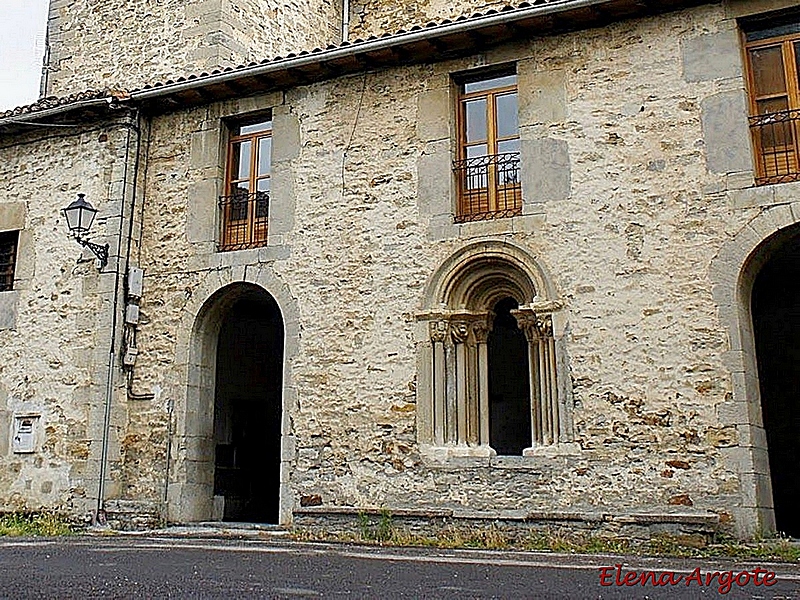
421 44
424 44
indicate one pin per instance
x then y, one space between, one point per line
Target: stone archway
200 431
733 274
775 310
491 302
247 408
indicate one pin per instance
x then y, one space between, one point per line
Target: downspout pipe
345 20
119 273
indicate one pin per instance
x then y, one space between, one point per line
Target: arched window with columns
491 356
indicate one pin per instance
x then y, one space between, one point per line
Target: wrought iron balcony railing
489 187
775 141
244 220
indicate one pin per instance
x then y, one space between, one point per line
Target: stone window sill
485 456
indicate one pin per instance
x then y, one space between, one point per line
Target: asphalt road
126 567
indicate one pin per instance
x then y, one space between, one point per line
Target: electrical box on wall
23 440
132 314
135 277
130 357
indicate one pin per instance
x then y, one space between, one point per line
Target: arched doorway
229 449
775 305
247 410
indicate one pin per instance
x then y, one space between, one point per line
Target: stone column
548 381
473 382
459 397
545 417
459 331
438 333
451 391
481 332
527 322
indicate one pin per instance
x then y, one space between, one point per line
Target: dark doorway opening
776 325
509 383
247 410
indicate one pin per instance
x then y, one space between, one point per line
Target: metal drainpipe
100 515
345 20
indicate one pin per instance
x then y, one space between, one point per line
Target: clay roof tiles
53 102
509 9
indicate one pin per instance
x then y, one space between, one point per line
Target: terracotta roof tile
54 102
46 103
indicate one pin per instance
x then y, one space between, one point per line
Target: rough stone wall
629 244
51 355
375 17
97 44
631 196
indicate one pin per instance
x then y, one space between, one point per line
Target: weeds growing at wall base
34 524
383 531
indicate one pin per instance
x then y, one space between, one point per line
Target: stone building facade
353 351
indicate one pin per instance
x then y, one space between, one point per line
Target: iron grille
775 140
488 187
8 258
244 220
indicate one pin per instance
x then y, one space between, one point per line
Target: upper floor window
8 259
774 88
245 207
488 149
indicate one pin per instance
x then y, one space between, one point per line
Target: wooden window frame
9 245
768 170
249 231
494 189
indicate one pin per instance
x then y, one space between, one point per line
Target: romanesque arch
192 457
733 273
492 316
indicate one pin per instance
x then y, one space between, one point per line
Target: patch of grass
386 532
34 524
385 529
382 532
773 550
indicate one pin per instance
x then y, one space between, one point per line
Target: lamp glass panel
80 217
72 218
86 218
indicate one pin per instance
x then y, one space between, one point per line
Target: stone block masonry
53 348
636 206
628 246
99 44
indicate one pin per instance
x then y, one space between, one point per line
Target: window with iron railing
774 89
8 259
245 207
488 165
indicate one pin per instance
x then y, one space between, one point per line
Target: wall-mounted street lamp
80 215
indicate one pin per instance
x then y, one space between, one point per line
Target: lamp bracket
99 250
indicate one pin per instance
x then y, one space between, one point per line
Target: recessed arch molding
458 312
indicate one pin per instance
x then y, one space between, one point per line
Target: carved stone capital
535 326
459 330
438 331
481 329
545 325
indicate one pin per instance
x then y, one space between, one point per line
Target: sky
22 34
